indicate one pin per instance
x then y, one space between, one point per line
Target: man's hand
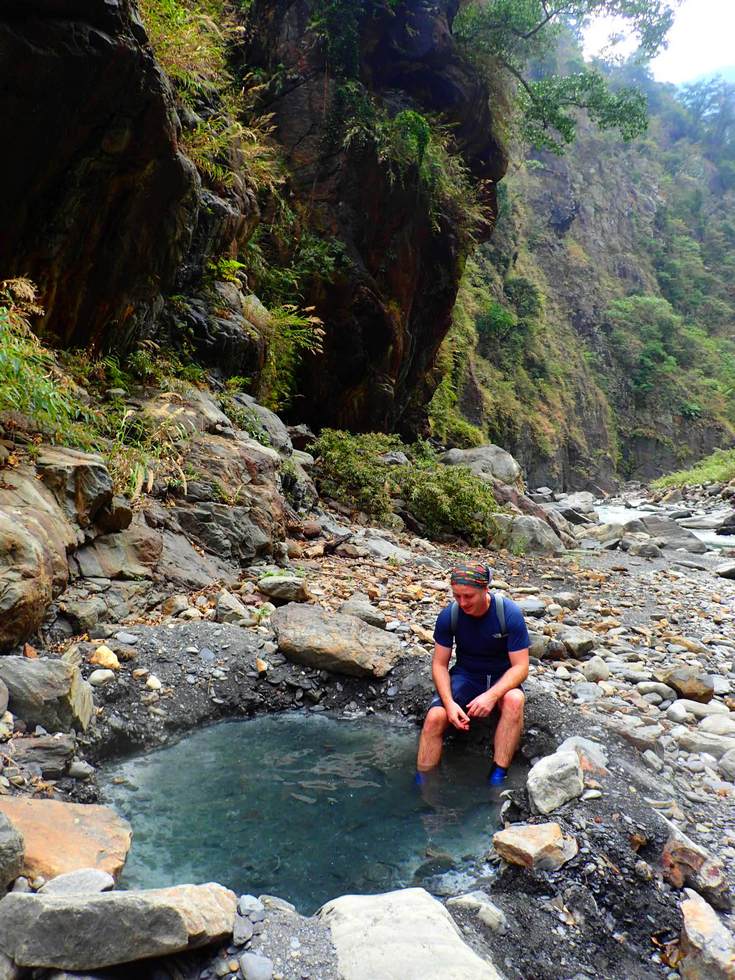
482 705
457 717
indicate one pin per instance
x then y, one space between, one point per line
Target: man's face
470 600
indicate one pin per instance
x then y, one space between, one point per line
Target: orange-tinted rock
707 947
61 837
535 846
686 863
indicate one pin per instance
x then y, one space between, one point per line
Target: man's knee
512 702
436 721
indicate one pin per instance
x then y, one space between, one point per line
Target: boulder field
617 845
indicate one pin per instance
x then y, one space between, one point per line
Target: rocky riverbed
616 857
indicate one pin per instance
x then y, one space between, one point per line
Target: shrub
450 499
191 39
349 471
30 382
444 499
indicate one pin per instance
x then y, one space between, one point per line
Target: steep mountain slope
597 325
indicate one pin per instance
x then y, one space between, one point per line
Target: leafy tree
516 33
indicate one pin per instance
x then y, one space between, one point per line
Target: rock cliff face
107 215
390 305
98 201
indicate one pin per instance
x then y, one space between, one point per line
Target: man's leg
432 738
510 727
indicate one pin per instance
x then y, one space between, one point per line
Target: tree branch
517 75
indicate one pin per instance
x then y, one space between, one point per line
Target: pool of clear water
303 806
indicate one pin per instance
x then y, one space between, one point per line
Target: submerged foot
497 775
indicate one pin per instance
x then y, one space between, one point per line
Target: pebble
153 683
256 967
130 639
98 678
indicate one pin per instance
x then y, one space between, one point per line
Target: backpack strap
500 612
455 616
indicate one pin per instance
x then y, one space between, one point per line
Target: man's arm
443 683
483 704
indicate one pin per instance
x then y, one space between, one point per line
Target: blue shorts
466 687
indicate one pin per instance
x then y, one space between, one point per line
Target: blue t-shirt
480 647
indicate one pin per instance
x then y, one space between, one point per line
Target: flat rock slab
86 932
399 935
542 846
61 837
331 641
85 881
45 692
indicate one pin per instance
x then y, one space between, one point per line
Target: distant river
617 514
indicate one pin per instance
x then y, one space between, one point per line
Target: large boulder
359 605
269 422
331 641
87 932
50 693
79 481
26 581
672 534
690 683
61 837
577 641
188 413
32 504
527 535
398 935
11 852
284 588
129 554
488 462
555 780
51 754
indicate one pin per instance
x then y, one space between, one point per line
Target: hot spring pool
302 806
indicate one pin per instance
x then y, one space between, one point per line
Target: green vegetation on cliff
718 467
192 41
624 361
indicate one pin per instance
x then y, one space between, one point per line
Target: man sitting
491 665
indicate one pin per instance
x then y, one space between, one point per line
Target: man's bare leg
432 739
510 727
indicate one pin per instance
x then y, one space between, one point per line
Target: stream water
618 514
303 806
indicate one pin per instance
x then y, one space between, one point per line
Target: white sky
701 41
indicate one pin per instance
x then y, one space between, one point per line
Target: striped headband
471 573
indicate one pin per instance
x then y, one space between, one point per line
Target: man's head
469 585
